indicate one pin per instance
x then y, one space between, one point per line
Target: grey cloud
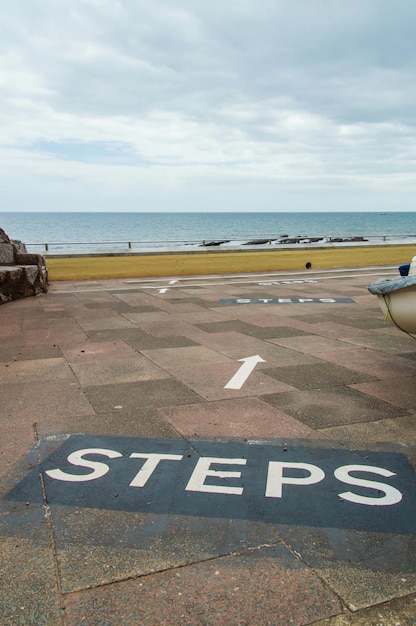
239 90
129 57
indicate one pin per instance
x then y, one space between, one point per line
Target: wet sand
85 267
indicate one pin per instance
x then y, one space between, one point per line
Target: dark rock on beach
292 240
286 240
348 239
258 242
205 244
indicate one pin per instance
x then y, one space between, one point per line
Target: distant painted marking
245 279
240 377
286 282
165 289
234 280
286 301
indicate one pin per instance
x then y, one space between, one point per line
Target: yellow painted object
87 267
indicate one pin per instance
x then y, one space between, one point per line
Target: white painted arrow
165 289
240 377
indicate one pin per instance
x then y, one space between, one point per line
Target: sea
95 232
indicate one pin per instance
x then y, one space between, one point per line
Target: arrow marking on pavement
240 377
165 289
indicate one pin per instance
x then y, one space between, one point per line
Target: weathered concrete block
6 253
19 246
3 237
12 282
21 274
32 274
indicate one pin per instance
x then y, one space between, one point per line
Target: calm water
84 232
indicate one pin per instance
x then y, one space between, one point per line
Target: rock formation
21 274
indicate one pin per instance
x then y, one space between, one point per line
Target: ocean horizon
84 232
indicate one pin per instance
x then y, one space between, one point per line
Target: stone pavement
151 476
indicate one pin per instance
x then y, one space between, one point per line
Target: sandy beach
85 267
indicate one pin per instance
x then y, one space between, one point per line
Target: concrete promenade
154 473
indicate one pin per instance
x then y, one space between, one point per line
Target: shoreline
191 263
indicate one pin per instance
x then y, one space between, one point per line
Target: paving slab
203 316
121 418
322 408
353 562
134 396
381 365
236 346
119 334
39 400
149 342
318 375
311 344
399 392
240 417
176 360
124 370
280 591
139 488
98 351
32 371
399 430
335 329
51 337
18 353
389 344
395 613
210 381
105 322
108 546
251 330
29 592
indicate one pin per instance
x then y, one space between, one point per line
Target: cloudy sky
208 105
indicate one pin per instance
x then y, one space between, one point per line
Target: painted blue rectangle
288 300
302 483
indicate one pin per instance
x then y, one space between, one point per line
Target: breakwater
177 245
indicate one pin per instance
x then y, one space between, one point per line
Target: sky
208 105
